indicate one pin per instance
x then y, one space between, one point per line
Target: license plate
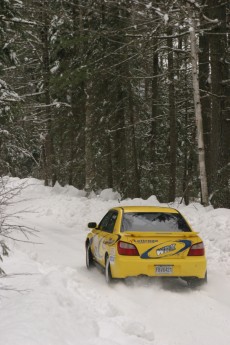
163 269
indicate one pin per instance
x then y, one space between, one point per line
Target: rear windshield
156 222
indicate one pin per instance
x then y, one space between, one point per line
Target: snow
109 194
166 18
55 68
50 298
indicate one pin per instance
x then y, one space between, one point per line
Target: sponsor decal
166 249
157 252
112 255
112 259
144 241
109 241
98 247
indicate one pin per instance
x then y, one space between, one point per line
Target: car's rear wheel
108 274
197 282
89 257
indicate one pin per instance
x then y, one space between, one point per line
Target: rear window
156 222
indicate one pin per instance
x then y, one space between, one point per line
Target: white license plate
163 269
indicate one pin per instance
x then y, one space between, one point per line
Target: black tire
197 282
108 274
89 257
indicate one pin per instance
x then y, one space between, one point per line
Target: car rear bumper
123 267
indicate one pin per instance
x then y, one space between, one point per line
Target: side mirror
92 225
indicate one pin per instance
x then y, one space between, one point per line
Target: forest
123 94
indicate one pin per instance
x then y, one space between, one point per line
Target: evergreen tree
99 94
13 147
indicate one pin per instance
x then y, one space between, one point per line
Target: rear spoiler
186 234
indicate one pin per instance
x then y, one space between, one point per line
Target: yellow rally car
140 240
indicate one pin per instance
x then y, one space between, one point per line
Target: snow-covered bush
9 224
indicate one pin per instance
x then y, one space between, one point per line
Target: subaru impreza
146 240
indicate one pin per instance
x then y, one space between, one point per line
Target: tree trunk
220 134
49 161
89 158
172 119
198 113
154 114
77 90
134 180
185 184
119 144
204 84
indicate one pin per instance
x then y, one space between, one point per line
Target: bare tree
9 224
172 117
197 104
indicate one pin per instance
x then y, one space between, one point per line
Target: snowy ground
49 297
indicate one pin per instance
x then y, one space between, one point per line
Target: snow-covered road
49 297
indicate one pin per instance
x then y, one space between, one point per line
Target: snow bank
109 194
49 298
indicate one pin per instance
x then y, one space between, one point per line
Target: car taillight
125 248
197 250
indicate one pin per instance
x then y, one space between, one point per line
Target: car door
104 237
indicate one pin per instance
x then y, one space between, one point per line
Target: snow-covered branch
17 20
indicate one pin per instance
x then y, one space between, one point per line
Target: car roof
146 209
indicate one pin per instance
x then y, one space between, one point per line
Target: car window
111 223
108 222
157 221
103 223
